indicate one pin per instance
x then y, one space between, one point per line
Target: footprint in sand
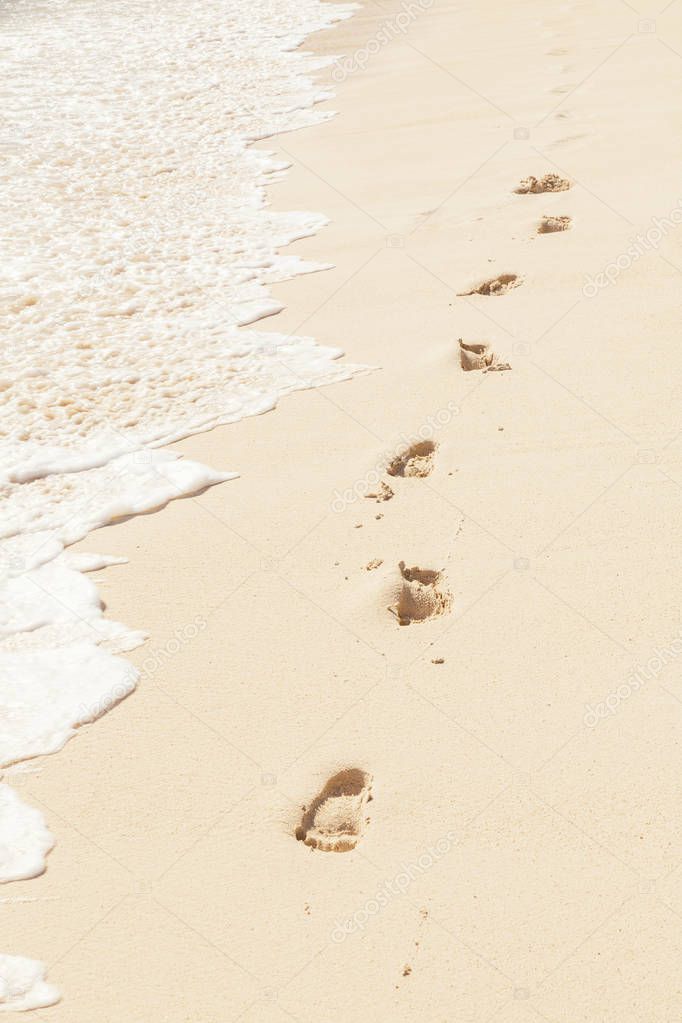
549 183
417 460
334 821
421 595
477 355
548 225
382 493
569 140
497 286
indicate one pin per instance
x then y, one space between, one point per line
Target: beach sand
519 858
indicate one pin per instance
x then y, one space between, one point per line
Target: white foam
24 838
48 693
23 986
139 242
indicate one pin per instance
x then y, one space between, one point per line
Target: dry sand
522 856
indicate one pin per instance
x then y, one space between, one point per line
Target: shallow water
138 242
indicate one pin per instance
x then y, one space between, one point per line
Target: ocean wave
140 244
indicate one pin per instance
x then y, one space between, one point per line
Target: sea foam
139 243
23 986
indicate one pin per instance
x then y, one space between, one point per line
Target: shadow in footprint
334 821
420 595
549 225
477 355
417 460
496 286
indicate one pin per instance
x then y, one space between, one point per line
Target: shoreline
175 815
